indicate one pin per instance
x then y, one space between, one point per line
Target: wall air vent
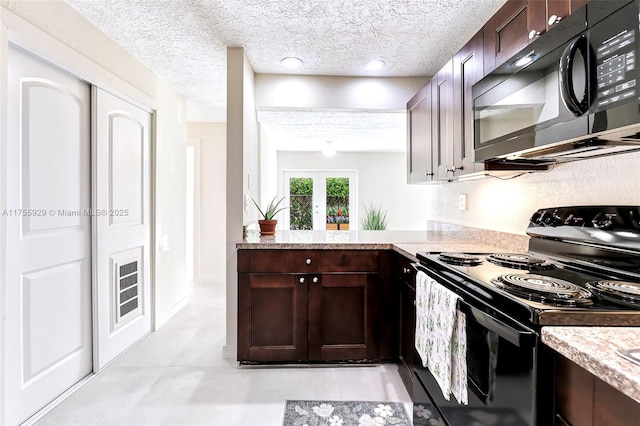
128 289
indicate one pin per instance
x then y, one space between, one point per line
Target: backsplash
506 205
437 231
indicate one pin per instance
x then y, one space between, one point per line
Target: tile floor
177 376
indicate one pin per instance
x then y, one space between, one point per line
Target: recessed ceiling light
375 65
328 150
291 62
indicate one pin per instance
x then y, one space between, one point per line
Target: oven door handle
510 331
519 336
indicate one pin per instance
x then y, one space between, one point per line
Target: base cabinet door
308 306
342 315
583 399
272 317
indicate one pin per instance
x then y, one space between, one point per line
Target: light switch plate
462 202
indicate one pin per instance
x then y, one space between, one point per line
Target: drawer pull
308 261
315 279
301 280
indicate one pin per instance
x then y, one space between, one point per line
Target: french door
320 199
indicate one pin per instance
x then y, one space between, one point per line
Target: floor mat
344 413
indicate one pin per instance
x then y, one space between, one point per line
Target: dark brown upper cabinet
442 132
420 166
468 69
518 23
506 33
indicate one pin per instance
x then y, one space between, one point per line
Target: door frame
318 174
21 33
195 267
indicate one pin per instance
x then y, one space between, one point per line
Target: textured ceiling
184 41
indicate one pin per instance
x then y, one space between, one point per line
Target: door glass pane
337 203
301 209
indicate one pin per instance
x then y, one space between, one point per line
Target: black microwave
572 93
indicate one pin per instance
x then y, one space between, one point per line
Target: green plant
272 209
300 203
374 217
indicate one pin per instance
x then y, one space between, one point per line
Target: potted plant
268 223
332 225
374 217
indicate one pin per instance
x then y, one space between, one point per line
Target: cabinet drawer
308 261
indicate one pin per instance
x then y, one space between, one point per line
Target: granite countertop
406 242
594 349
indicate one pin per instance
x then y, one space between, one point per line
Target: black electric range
582 268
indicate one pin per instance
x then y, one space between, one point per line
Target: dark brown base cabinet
307 306
584 400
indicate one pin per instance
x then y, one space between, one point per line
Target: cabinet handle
414 303
428 174
308 261
406 270
455 169
554 19
315 279
533 34
301 280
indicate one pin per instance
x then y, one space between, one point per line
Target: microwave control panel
616 61
615 40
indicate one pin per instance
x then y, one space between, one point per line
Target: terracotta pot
267 227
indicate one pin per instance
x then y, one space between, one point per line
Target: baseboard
230 351
162 318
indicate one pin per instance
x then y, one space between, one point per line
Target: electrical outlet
462 202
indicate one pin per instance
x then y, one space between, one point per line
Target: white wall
242 173
329 92
381 179
506 205
112 68
213 185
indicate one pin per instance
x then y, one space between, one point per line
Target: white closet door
48 345
122 224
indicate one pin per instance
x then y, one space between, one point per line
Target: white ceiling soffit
356 131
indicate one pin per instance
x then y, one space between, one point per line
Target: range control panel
598 217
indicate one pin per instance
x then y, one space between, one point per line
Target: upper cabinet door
506 33
442 146
468 69
419 157
577 4
557 10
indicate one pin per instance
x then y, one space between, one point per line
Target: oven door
503 372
